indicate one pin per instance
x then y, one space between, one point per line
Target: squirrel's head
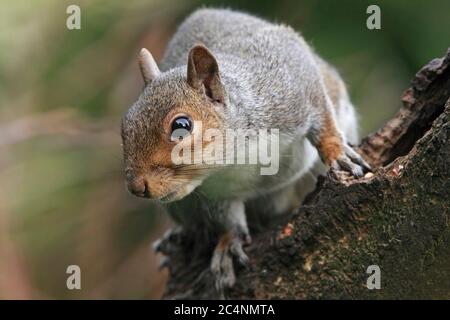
166 113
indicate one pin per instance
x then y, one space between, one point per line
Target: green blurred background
62 94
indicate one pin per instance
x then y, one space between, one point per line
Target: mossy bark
397 218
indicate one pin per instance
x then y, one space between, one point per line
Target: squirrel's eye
181 127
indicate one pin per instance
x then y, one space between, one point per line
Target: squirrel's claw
236 248
223 270
229 246
356 158
352 162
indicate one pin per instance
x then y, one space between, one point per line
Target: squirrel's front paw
351 161
230 245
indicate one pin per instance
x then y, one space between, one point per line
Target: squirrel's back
234 33
221 30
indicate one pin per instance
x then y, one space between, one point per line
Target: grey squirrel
231 70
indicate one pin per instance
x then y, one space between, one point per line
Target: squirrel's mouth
177 194
171 196
180 192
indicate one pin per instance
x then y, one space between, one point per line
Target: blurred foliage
62 94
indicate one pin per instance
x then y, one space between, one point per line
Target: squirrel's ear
203 73
148 66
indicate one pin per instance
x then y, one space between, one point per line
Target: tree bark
397 218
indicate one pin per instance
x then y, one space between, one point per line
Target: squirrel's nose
139 187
